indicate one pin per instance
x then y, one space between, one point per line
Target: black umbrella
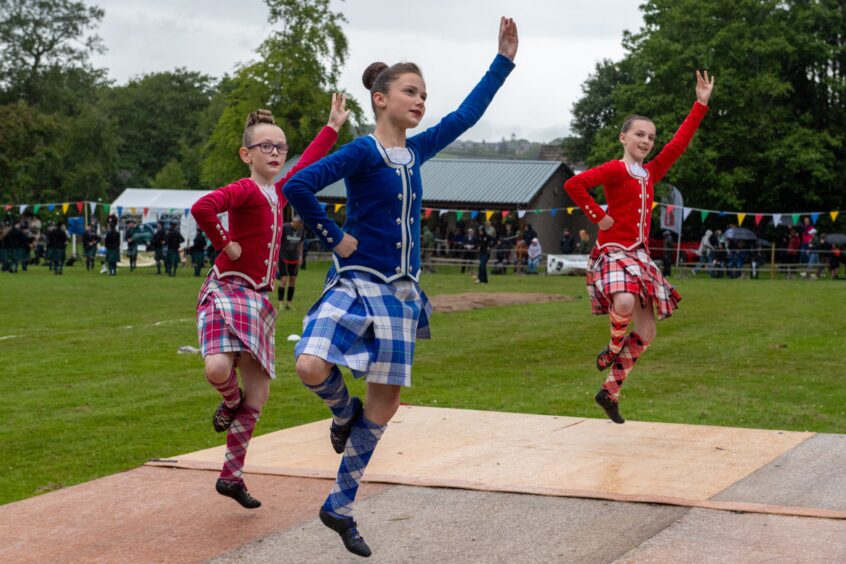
836 238
740 233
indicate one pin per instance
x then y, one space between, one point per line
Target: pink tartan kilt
611 271
233 318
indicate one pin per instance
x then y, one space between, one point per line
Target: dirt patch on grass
478 300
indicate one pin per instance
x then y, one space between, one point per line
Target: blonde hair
255 118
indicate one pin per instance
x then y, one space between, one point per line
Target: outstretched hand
704 86
339 112
508 39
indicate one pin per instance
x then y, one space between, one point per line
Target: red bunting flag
758 218
146 211
505 213
80 206
7 207
427 212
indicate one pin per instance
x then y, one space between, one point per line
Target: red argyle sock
229 389
237 441
619 324
633 347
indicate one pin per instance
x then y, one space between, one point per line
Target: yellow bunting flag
834 215
338 206
654 205
488 215
740 218
133 211
570 211
65 208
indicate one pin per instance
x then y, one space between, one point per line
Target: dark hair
378 77
627 123
255 118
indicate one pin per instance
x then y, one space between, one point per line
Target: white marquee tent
152 204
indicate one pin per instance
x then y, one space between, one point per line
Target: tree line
775 137
773 141
68 133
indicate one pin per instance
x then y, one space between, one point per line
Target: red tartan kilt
232 317
612 271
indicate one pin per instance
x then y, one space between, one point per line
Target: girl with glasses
235 318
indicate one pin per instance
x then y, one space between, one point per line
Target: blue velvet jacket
384 198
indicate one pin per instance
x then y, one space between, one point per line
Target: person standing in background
158 244
112 249
131 245
198 253
173 240
290 254
89 247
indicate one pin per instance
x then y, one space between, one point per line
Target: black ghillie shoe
611 407
345 526
605 358
238 492
338 434
224 415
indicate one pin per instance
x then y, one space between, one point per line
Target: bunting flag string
789 218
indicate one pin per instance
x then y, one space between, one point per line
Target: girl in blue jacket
372 309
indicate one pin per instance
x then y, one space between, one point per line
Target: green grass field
94 384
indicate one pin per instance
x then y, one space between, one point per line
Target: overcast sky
452 40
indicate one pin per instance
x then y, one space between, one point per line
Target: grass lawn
94 384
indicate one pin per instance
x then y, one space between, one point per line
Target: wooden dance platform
537 454
468 486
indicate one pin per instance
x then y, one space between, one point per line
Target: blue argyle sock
334 392
362 442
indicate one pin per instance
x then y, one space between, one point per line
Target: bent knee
218 368
624 303
312 370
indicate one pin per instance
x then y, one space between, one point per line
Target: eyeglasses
267 148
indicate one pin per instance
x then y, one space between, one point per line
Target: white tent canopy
164 200
152 204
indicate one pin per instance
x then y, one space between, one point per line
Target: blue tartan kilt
367 325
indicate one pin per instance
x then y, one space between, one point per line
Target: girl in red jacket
622 280
235 318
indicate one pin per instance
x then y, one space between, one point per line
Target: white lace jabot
398 155
637 170
270 193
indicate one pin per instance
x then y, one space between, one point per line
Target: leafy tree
774 137
298 69
170 176
160 116
88 145
38 37
30 166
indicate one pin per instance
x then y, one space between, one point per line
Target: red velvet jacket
629 197
254 222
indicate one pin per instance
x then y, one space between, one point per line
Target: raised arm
436 138
671 152
321 144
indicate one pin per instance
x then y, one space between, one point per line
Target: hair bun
260 116
371 73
